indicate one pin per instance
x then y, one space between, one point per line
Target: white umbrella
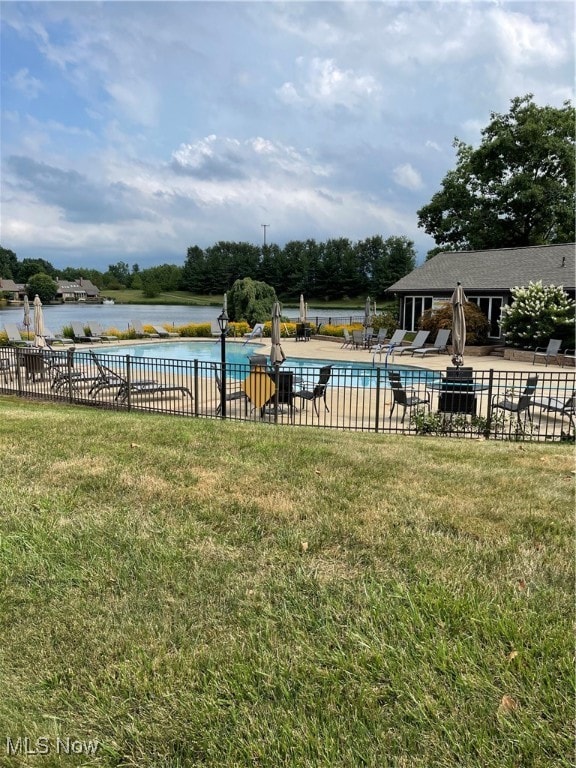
277 355
458 326
39 340
27 315
302 315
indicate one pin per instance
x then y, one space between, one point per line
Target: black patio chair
520 406
319 390
401 397
236 394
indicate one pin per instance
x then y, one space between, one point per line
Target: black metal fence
534 405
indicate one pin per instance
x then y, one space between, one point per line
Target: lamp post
223 325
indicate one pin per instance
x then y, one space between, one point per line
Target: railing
531 405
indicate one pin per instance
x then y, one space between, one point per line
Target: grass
193 593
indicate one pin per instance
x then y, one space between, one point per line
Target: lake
119 316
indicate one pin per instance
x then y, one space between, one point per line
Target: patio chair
401 396
419 340
380 337
140 332
552 350
319 390
358 339
96 330
347 339
236 394
568 355
14 337
6 368
164 334
109 379
258 330
440 344
554 405
80 335
522 405
284 394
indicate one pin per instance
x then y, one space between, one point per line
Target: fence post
378 374
489 404
128 385
70 366
196 384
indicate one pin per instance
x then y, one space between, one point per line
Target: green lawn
193 593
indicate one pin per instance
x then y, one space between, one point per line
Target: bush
477 324
538 313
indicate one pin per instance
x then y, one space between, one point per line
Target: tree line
334 269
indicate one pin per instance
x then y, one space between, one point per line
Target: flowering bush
538 313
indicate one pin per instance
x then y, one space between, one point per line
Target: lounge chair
319 390
522 405
140 332
164 334
390 346
109 379
440 344
96 330
552 350
419 340
258 330
53 338
554 405
235 394
14 337
401 397
80 334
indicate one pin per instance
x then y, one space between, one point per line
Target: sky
131 131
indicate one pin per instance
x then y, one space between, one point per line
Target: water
354 374
120 316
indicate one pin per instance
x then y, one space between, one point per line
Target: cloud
24 82
407 176
79 199
326 85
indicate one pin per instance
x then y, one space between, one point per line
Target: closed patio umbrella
39 340
367 312
277 355
302 313
27 315
458 326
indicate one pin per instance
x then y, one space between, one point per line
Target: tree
251 301
29 267
538 313
43 285
8 263
515 189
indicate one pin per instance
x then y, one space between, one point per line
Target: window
414 307
492 307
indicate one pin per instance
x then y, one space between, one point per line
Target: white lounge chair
164 334
440 344
552 350
258 330
140 332
419 340
14 336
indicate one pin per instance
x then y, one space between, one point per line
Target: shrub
538 313
477 324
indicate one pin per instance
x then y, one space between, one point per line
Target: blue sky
132 130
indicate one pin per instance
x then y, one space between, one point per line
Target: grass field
197 593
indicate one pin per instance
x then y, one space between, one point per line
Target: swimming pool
356 374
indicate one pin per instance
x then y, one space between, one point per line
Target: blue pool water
357 374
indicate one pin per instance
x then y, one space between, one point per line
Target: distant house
14 291
487 278
77 290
